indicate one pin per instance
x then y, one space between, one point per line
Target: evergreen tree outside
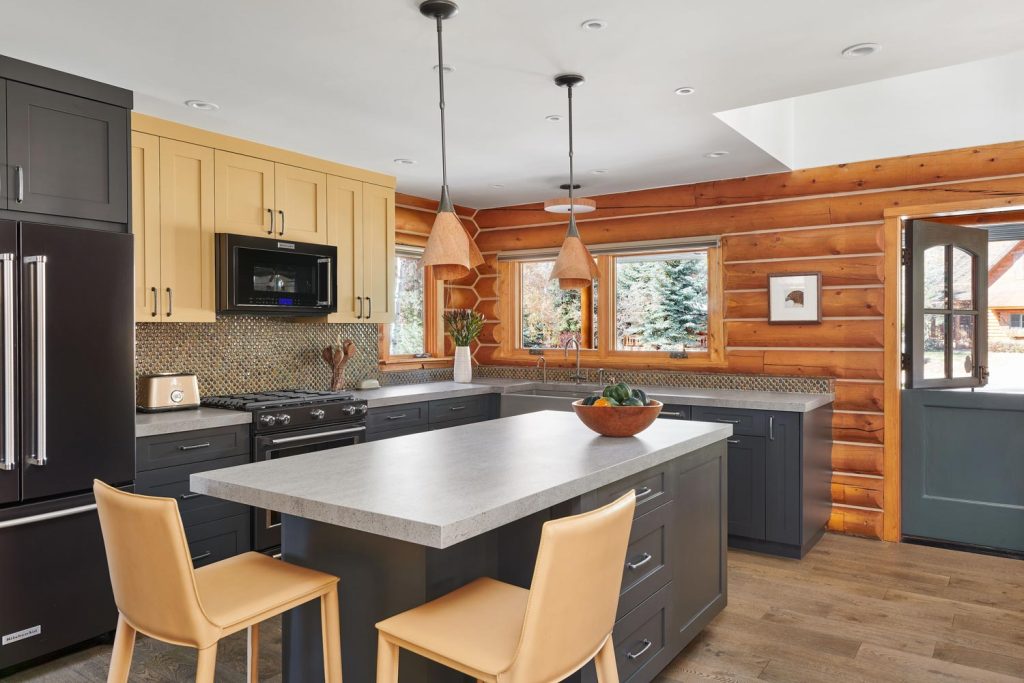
661 302
407 330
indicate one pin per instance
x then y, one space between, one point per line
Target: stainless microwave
266 276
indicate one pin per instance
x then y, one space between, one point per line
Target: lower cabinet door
747 469
214 541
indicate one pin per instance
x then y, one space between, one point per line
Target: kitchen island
408 519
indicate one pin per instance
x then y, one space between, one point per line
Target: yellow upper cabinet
379 253
345 231
245 195
146 225
301 199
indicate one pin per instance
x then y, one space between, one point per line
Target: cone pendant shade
450 251
574 268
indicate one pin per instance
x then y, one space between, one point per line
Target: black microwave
266 276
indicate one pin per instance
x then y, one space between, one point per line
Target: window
657 303
414 340
1017 321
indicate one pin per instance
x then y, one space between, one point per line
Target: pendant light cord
440 80
572 208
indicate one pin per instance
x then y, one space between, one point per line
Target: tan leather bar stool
158 593
501 633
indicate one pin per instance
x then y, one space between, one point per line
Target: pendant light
574 268
450 250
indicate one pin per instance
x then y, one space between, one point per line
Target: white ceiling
352 82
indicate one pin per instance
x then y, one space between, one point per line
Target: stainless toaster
167 391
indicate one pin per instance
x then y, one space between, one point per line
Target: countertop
172 421
442 487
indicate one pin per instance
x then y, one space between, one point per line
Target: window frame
433 331
606 355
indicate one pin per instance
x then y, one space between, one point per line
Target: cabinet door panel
783 486
3 144
301 198
186 232
245 195
72 152
746 486
146 225
345 231
379 253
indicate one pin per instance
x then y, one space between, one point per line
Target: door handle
359 299
307 437
733 441
170 302
281 211
38 265
57 514
7 459
189 496
271 231
369 307
156 302
771 428
201 556
20 173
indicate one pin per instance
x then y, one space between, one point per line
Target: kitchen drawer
672 411
653 489
647 568
172 482
396 417
381 434
747 422
461 409
169 450
218 540
456 423
641 639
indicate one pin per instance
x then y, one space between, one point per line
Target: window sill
405 364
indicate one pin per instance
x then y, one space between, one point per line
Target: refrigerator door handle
57 514
7 459
38 264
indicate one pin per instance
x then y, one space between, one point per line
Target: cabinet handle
771 428
189 496
201 556
156 303
669 414
369 308
396 417
271 230
170 302
20 172
644 559
281 211
646 646
360 300
454 408
732 441
643 491
194 446
724 419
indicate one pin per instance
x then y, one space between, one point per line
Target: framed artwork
794 298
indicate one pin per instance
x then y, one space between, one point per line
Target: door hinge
904 361
983 374
904 257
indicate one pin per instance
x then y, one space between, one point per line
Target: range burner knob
349 410
317 413
268 420
363 409
284 418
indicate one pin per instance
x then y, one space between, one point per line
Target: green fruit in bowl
633 401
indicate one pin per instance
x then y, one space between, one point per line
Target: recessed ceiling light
405 162
717 155
599 171
685 90
202 105
553 117
594 25
861 50
448 68
497 186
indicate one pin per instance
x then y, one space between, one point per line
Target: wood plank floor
852 610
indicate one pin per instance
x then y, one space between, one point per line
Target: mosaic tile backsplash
242 353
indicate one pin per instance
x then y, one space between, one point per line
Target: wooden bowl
617 420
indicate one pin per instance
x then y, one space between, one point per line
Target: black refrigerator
66 418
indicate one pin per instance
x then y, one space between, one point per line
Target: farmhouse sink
544 397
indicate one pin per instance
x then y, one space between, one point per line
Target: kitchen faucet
542 363
577 378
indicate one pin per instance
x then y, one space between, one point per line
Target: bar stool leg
387 660
331 634
604 662
121 657
252 655
206 665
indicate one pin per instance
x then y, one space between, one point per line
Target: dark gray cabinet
3 144
66 155
412 418
747 471
214 528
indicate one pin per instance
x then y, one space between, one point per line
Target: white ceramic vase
463 365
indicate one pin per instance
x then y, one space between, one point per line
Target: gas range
293 408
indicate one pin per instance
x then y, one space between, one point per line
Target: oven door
267 523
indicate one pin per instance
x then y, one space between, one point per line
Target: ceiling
353 82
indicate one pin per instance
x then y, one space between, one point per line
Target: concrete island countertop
442 487
189 420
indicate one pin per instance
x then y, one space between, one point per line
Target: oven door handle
319 435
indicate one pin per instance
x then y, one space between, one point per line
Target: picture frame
794 298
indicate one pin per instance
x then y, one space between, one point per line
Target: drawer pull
397 417
189 496
771 428
643 492
454 408
646 645
725 419
194 446
670 414
644 559
201 556
732 441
